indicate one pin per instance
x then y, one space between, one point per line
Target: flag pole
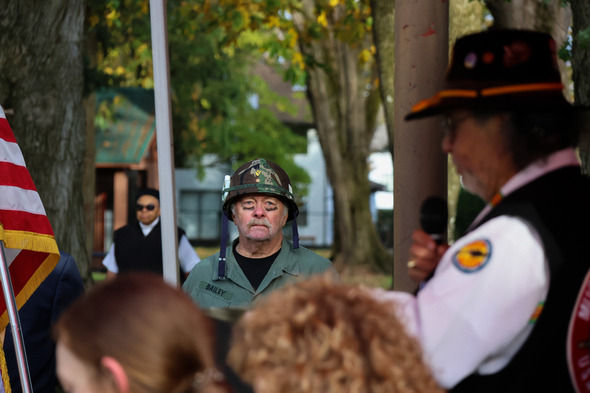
164 142
17 336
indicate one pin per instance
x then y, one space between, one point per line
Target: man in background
138 245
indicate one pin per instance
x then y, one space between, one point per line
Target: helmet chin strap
221 275
295 234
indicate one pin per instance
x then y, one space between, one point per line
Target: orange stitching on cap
458 93
492 91
443 94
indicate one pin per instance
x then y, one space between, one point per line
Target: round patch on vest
473 256
578 339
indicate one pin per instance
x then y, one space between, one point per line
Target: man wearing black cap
495 316
138 246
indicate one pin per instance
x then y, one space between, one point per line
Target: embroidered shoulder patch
578 339
473 256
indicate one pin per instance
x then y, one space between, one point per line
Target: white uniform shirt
481 304
186 253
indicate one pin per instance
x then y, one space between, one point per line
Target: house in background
126 160
198 203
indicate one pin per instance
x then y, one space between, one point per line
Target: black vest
136 252
558 206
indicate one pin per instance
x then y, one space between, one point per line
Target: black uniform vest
558 206
136 252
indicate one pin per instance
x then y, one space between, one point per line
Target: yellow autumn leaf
205 103
93 20
333 3
298 60
273 21
120 70
112 15
245 15
142 48
194 124
322 20
365 56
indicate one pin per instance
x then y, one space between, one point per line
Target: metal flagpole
17 336
164 142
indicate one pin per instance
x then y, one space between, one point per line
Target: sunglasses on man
139 207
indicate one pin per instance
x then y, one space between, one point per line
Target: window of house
199 214
302 217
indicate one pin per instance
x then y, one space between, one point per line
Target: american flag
30 248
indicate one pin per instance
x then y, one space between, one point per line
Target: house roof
303 115
124 138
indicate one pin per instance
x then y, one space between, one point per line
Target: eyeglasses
140 207
450 125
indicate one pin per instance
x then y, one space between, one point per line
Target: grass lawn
358 275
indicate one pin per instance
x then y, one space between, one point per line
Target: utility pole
420 167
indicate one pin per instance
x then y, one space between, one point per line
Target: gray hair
532 135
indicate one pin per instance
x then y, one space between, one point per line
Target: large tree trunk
344 113
581 70
548 16
41 82
383 12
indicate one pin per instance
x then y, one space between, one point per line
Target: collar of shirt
146 229
554 161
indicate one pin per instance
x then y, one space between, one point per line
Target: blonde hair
155 331
321 336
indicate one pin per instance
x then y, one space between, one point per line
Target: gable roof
303 115
124 139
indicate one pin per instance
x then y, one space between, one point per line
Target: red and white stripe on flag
30 248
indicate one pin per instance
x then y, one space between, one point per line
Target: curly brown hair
319 335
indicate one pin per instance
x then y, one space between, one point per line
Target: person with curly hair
136 334
320 335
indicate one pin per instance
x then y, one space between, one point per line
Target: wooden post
420 167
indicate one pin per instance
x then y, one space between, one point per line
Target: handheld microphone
434 215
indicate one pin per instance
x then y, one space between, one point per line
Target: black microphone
434 215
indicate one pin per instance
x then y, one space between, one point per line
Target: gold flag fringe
35 242
42 272
28 241
4 370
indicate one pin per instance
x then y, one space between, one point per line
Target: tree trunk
342 107
542 15
581 70
383 12
41 82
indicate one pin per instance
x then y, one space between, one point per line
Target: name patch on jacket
205 286
578 340
473 256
